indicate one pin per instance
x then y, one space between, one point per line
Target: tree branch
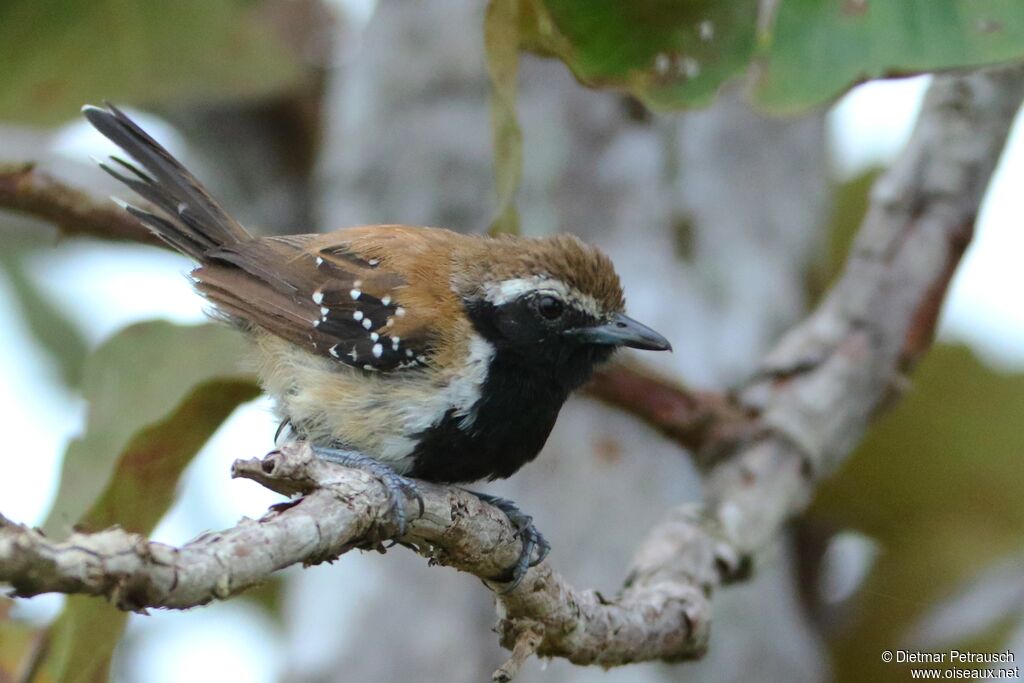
817 392
709 424
34 193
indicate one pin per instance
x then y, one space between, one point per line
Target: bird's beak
621 331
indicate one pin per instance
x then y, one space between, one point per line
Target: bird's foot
397 486
533 541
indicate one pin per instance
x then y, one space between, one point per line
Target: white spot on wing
374 336
355 294
367 323
318 297
324 311
386 300
358 315
378 350
399 311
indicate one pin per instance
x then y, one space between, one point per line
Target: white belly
379 414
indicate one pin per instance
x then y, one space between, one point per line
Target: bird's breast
509 424
383 415
483 419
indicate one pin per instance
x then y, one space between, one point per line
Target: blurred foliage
165 388
269 597
56 55
938 484
675 54
53 332
501 40
19 643
819 48
132 382
668 54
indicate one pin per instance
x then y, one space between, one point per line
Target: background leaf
132 382
667 53
820 48
501 39
55 334
134 51
672 54
938 484
20 645
142 488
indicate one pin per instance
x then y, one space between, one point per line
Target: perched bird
410 352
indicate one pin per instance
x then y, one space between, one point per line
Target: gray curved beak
621 330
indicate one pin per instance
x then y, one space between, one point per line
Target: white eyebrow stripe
508 290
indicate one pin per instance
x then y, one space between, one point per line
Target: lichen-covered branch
335 510
25 189
813 399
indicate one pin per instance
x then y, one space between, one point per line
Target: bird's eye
550 307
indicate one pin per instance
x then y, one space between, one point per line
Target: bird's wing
326 293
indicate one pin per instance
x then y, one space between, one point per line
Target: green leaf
82 641
132 383
53 332
20 646
667 53
169 388
673 54
819 49
85 634
269 597
145 477
938 484
501 39
56 55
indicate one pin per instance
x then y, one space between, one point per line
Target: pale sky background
233 641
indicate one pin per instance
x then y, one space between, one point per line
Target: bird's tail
192 221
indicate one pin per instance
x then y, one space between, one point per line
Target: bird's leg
396 485
532 540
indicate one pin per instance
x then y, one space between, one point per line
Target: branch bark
27 190
709 424
817 392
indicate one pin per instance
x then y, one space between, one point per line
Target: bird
413 353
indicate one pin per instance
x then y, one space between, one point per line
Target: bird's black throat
525 388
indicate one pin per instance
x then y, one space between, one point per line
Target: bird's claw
535 546
396 485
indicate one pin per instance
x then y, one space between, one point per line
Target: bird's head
555 302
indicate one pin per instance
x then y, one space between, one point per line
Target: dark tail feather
193 222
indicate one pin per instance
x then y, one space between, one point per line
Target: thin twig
526 646
27 190
708 424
